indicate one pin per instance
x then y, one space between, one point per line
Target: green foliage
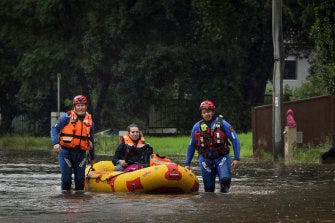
106 145
174 147
298 17
311 88
246 145
324 34
323 76
127 56
169 145
323 30
8 142
308 154
260 154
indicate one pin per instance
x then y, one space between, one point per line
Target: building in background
295 72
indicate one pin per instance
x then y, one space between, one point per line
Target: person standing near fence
72 136
210 138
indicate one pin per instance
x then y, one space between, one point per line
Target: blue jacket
227 129
63 121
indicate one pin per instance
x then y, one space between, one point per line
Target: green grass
8 142
178 144
106 145
309 153
172 146
246 145
169 145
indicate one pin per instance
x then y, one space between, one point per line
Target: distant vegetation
173 147
127 56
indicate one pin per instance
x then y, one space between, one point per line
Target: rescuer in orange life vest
132 153
210 138
72 136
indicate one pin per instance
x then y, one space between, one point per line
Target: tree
8 88
236 36
128 55
323 32
310 33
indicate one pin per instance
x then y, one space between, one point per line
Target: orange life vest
76 134
136 153
127 140
156 159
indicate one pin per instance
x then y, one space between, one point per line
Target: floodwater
260 192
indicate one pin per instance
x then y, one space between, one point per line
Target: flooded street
260 192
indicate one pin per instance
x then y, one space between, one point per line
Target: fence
162 120
315 118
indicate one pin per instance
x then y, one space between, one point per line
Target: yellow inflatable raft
166 178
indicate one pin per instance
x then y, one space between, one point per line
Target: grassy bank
174 146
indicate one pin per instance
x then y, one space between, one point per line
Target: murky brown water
261 192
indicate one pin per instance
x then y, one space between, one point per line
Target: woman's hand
123 163
56 148
236 164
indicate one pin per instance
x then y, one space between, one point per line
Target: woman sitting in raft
132 153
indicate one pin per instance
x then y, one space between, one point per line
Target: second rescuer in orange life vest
71 137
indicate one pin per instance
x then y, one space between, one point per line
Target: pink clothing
133 167
290 119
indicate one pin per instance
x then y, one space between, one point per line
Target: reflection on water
261 192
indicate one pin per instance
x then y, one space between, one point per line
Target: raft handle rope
107 179
89 170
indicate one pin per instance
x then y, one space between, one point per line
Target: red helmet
80 99
207 104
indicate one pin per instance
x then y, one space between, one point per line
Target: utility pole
277 36
58 94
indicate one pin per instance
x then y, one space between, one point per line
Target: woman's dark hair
131 126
